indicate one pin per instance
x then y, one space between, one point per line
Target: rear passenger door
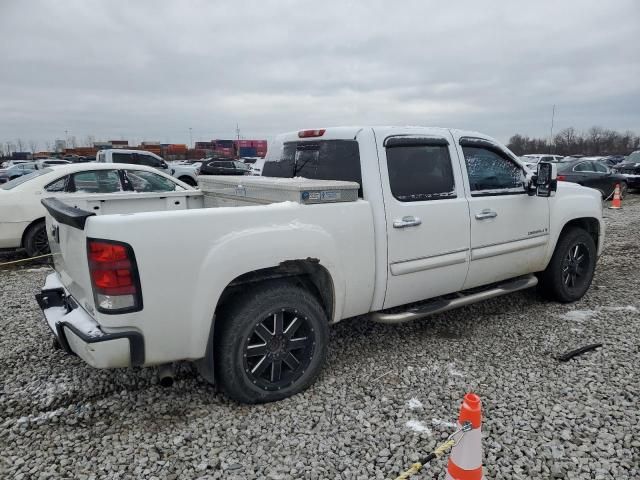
427 215
509 228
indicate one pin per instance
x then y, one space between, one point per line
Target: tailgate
68 243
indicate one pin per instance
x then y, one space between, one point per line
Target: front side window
600 168
124 158
142 181
420 172
491 172
96 181
148 160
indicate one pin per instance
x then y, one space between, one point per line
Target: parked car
630 169
224 167
260 284
589 172
22 215
16 171
11 163
531 160
185 173
612 160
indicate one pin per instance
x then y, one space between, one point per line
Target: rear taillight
561 178
311 133
114 276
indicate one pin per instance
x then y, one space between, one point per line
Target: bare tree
20 144
48 145
33 145
73 142
89 140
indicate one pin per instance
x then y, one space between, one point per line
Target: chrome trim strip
452 257
496 249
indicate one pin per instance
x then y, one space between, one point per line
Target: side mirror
164 165
546 180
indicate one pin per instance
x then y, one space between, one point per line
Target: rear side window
124 158
420 172
584 167
323 160
58 186
96 181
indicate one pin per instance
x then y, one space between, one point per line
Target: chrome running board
438 305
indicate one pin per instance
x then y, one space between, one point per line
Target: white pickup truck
442 218
185 173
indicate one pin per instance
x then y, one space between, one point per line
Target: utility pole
190 138
553 115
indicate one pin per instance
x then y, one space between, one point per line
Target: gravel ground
387 395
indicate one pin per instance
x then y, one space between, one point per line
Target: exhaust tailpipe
166 375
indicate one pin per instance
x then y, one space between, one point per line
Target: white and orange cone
465 460
617 202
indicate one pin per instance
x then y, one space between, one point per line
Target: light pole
190 138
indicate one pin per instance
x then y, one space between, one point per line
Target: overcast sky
149 70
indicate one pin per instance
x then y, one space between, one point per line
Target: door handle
408 221
486 213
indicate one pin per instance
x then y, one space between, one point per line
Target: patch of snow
436 422
418 426
43 416
579 315
414 403
627 308
453 372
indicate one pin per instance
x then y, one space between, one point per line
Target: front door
427 214
509 229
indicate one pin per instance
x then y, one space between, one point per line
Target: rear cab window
124 158
318 160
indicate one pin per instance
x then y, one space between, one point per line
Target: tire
189 181
256 360
35 240
570 271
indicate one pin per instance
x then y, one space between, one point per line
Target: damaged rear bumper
79 334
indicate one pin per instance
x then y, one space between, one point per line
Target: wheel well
187 179
29 227
308 274
589 224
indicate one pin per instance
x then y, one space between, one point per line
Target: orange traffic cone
465 460
616 203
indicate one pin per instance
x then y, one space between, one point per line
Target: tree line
595 141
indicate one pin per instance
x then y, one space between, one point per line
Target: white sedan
22 215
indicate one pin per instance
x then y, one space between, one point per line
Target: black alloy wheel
575 266
279 349
36 241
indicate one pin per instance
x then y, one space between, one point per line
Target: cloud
152 69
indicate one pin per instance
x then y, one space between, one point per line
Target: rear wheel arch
33 224
188 180
305 273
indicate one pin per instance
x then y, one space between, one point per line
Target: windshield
633 158
24 178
